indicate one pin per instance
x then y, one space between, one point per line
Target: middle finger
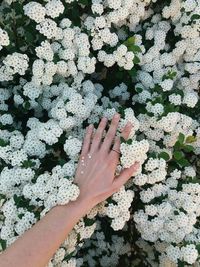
98 135
111 133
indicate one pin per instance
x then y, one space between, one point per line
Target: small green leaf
181 263
61 162
68 257
178 155
88 221
188 148
136 60
181 138
122 139
3 244
183 162
134 48
132 72
198 247
130 41
27 105
20 215
28 164
83 2
3 142
2 196
121 112
138 90
191 139
195 16
129 141
164 155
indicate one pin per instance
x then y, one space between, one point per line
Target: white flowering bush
65 64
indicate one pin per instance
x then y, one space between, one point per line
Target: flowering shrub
64 65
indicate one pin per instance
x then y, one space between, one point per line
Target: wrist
79 207
84 203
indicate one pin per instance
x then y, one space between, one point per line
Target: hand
96 178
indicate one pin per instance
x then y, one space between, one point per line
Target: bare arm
37 245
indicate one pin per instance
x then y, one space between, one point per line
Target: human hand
95 174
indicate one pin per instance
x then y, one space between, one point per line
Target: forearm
37 245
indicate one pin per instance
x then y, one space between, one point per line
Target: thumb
125 175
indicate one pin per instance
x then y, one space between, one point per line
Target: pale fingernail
116 116
90 127
104 119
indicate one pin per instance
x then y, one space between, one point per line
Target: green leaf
27 105
28 164
170 75
20 215
84 2
152 155
2 196
198 247
121 112
195 16
29 37
183 162
178 155
164 155
136 60
68 257
61 162
88 221
18 7
3 142
130 41
191 139
188 148
3 244
181 263
132 72
129 141
134 48
122 139
138 90
181 138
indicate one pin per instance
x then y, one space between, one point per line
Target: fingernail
104 119
90 126
116 116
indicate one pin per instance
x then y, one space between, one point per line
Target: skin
98 182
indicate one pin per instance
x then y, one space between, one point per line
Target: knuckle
115 189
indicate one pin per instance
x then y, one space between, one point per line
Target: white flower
54 8
35 11
4 38
72 146
189 253
166 85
